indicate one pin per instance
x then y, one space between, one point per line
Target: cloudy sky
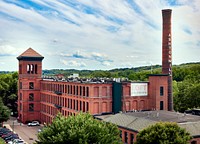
97 34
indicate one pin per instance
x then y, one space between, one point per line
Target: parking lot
28 134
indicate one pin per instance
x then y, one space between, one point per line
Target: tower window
20 96
32 68
161 91
20 106
31 97
20 85
31 107
31 85
28 68
20 69
35 69
161 105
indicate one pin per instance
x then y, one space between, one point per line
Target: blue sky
97 34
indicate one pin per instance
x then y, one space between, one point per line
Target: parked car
16 141
34 123
4 131
11 137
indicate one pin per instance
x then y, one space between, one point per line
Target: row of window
128 138
31 85
48 119
67 89
73 104
30 107
30 69
31 97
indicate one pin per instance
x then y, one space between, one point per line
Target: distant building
74 75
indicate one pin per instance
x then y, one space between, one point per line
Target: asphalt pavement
28 134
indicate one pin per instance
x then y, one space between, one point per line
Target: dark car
6 135
2 133
11 137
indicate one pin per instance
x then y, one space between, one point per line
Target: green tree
4 112
79 129
8 90
163 133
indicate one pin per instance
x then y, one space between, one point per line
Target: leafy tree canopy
163 133
79 129
8 90
4 112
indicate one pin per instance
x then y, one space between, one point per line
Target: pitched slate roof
192 127
137 121
30 53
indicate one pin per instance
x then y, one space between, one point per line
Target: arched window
76 90
28 68
80 90
83 91
32 68
87 91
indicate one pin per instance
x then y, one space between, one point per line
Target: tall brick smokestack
167 53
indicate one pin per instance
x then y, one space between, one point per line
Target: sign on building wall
139 89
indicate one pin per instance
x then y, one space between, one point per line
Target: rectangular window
87 91
20 69
161 91
31 97
31 85
161 105
20 85
31 107
20 96
20 106
132 138
126 137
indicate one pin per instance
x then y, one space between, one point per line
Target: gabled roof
136 121
30 53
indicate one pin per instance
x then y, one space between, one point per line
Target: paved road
28 134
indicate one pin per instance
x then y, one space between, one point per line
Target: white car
16 141
34 123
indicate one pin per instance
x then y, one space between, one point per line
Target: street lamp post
13 125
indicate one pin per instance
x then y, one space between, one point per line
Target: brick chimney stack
167 53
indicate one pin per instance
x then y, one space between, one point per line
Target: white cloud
100 33
73 63
6 50
106 63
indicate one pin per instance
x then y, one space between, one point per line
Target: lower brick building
131 123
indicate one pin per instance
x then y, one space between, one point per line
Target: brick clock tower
30 72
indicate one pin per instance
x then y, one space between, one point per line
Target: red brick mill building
40 98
